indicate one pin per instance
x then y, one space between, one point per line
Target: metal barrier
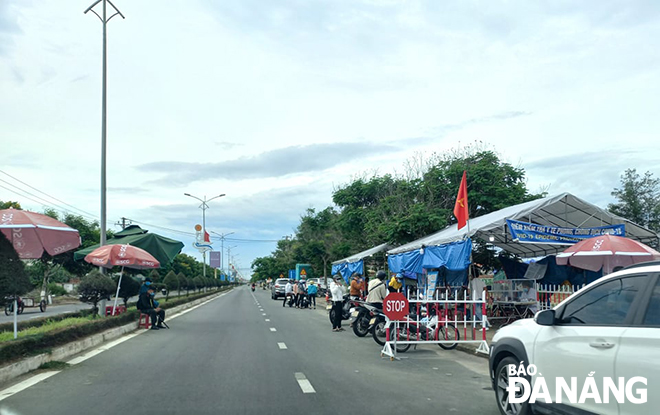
551 295
439 320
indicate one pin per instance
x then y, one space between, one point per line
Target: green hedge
43 343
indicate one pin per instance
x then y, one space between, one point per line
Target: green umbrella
162 248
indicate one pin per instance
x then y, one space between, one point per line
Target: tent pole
114 306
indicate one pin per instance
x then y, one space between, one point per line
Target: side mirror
545 318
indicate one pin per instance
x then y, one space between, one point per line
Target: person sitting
145 286
148 305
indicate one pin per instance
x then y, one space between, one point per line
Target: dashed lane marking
273 329
304 384
282 346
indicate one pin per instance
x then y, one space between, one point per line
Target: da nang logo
621 390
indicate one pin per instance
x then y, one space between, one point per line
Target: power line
42 192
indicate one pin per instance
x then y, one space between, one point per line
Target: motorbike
346 309
9 307
362 316
252 288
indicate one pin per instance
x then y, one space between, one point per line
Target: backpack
302 289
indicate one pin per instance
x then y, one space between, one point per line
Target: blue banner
540 234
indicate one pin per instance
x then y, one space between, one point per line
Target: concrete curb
60 353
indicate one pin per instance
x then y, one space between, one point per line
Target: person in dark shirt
148 305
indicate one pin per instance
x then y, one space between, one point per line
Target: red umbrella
129 256
606 252
31 233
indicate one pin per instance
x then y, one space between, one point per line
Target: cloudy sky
276 102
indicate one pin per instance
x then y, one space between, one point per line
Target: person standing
302 292
355 292
377 290
312 289
337 290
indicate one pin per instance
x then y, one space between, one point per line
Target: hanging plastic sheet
347 269
453 256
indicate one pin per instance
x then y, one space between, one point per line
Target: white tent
564 210
364 254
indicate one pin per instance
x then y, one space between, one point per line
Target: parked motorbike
346 309
362 316
9 307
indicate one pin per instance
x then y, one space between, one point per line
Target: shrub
95 287
56 289
183 282
192 284
171 282
199 283
13 278
155 276
130 287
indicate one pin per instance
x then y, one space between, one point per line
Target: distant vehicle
277 290
609 328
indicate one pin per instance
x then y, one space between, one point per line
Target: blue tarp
347 269
554 274
453 256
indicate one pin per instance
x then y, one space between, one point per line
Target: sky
277 103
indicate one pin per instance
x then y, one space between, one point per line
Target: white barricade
440 320
551 295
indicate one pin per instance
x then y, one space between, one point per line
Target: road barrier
551 295
439 320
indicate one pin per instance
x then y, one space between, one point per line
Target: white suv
610 329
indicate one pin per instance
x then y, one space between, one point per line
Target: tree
183 281
199 283
155 276
191 285
130 287
638 199
94 287
9 204
13 278
171 281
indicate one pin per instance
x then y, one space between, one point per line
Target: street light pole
222 246
204 206
229 248
105 21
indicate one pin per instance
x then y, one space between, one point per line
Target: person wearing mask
395 284
529 294
312 290
145 286
337 291
148 305
288 292
377 290
355 291
302 292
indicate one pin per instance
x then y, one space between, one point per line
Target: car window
652 317
607 304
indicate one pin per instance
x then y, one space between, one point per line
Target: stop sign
395 306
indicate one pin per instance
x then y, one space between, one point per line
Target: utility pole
204 206
123 222
105 21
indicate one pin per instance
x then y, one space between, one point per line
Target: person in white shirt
477 287
337 290
377 290
288 292
529 294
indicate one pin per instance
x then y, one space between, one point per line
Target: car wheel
501 393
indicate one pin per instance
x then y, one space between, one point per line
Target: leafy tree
171 281
56 289
154 275
13 278
638 199
94 287
192 285
9 204
183 282
130 287
199 283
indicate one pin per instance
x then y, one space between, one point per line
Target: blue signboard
540 234
292 274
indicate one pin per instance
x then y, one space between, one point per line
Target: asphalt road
227 357
51 310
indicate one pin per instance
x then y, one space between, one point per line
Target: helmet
381 275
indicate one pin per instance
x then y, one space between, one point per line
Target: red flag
207 237
461 206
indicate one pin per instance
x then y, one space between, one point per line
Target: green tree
13 278
199 283
130 287
192 285
155 276
183 282
638 199
171 281
9 204
94 287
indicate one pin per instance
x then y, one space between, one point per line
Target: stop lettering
395 306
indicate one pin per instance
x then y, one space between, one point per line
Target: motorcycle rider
288 292
377 290
253 285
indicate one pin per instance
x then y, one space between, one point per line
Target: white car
606 336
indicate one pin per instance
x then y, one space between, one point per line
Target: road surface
230 357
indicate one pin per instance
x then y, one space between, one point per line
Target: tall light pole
104 19
222 245
204 206
229 248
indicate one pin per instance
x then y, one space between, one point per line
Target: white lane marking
26 384
282 346
304 383
103 348
267 319
263 314
273 329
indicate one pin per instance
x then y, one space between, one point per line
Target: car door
585 340
639 353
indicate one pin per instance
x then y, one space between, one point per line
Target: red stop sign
395 306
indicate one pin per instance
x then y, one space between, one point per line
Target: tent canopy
162 248
564 210
364 254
